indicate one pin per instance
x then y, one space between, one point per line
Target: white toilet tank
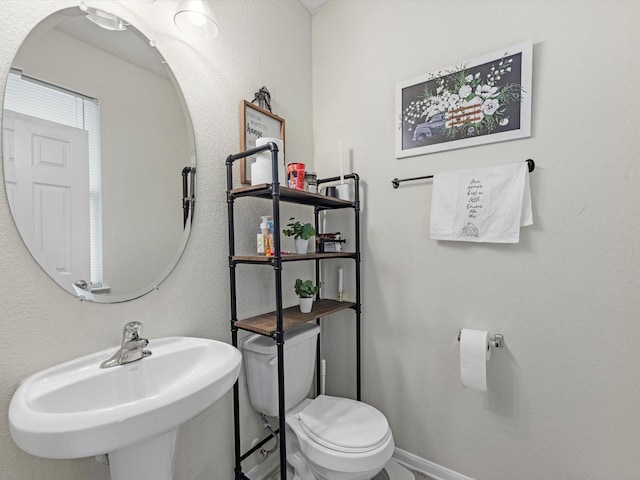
261 367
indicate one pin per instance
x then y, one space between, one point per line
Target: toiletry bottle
269 248
262 233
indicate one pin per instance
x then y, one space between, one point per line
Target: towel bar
496 341
396 182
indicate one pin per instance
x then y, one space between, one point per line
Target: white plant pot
301 246
306 304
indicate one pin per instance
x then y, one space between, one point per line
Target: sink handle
131 331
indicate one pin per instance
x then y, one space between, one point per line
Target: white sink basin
77 409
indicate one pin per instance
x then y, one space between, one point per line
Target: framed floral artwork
484 100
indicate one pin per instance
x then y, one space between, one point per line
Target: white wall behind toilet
563 396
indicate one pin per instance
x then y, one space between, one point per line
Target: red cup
295 175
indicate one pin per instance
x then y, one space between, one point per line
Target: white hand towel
481 205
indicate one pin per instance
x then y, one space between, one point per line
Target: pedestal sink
130 412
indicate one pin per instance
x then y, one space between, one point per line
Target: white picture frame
484 100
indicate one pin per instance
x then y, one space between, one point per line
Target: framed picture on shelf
256 122
484 100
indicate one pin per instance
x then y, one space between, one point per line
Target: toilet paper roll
282 179
474 355
261 171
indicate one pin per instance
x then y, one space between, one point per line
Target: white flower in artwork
504 122
453 100
469 78
490 106
486 91
464 91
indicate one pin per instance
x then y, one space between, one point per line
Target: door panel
53 161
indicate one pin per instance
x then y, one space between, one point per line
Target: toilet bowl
327 438
341 439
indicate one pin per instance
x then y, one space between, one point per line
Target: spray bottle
262 235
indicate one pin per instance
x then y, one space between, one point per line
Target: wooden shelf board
291 195
291 257
265 324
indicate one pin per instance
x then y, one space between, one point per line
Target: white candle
340 276
341 163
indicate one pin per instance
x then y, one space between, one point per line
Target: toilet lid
344 424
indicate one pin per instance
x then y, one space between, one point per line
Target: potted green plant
301 233
306 292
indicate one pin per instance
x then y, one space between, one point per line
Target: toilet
327 438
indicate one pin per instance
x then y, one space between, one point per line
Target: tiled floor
421 476
418 475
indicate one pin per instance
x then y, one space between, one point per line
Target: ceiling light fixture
103 19
195 18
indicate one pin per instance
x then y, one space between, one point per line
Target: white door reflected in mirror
50 206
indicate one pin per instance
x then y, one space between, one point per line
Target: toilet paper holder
496 341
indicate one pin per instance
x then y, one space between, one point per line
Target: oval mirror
99 155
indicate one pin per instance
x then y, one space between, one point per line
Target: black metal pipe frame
396 181
316 218
278 336
356 197
358 306
234 316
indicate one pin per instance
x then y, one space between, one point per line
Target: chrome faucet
132 348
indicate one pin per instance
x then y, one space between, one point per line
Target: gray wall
563 395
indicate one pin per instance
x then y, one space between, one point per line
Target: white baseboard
433 470
264 470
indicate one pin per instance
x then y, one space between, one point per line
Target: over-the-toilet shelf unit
275 323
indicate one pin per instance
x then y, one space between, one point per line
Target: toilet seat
344 425
320 442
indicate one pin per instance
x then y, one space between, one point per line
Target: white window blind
40 99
